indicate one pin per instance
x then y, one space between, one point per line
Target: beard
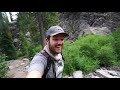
53 49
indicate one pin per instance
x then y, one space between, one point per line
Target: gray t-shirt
39 63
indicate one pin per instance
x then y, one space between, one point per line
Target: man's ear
46 41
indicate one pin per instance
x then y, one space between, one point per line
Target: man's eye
55 39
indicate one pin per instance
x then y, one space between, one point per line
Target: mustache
59 45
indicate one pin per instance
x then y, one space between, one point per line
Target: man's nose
60 42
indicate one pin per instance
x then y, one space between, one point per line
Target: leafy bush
28 49
3 65
89 53
50 19
116 43
6 41
98 48
106 56
68 68
86 64
69 57
24 44
32 50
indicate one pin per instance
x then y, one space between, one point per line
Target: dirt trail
17 68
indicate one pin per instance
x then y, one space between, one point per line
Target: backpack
49 62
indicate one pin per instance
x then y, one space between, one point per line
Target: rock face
99 73
104 73
77 74
80 23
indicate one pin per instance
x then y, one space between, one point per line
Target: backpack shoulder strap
63 57
49 62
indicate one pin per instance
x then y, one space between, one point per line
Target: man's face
56 43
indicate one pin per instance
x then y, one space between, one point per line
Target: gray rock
76 22
105 74
77 74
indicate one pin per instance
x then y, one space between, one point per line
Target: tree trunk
40 24
1 29
1 22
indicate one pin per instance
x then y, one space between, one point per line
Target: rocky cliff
80 23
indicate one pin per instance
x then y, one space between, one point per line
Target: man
51 53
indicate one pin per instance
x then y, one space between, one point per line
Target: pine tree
7 45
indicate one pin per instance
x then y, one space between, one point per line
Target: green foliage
19 53
106 56
116 43
99 48
116 65
3 65
6 44
27 23
28 49
32 50
86 64
69 58
68 68
88 53
50 19
24 44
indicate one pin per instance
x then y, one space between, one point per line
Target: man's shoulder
39 57
38 63
39 54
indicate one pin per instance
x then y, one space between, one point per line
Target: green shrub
24 44
32 50
99 48
6 41
19 53
50 19
89 53
86 64
3 65
116 43
68 68
69 52
106 56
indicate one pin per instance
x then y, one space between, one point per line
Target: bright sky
13 15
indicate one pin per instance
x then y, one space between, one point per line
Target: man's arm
34 74
37 65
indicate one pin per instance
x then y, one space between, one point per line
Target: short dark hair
48 37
